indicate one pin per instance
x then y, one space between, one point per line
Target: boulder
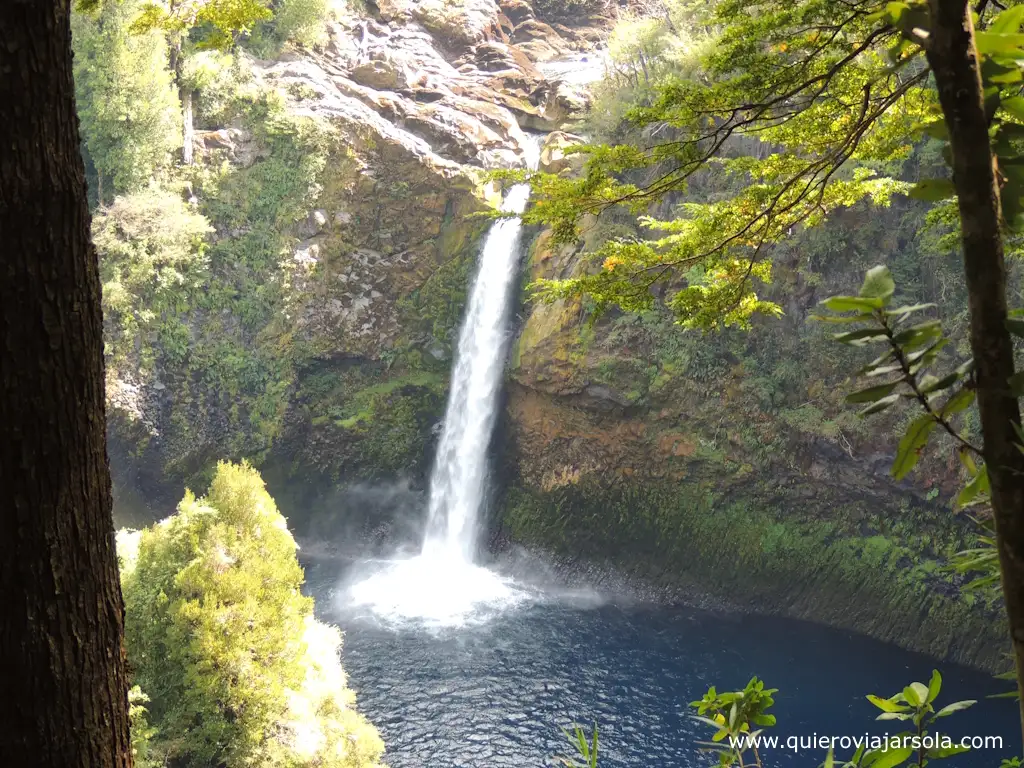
233 144
538 40
553 158
459 26
382 73
517 11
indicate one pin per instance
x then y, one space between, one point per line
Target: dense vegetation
230 666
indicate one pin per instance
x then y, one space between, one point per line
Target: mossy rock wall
729 462
766 550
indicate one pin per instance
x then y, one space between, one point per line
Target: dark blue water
498 694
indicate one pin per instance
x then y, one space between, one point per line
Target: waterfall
460 468
442 585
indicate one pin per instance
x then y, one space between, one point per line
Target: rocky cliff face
341 184
729 464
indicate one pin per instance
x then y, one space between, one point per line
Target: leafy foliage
732 716
152 262
912 348
802 104
902 371
220 20
220 637
127 106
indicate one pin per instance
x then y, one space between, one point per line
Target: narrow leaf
934 686
976 486
910 447
879 405
887 705
956 706
933 190
871 394
851 304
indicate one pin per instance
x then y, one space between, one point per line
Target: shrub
221 639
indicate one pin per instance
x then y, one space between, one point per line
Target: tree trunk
184 98
65 698
954 61
186 120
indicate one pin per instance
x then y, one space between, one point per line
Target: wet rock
553 158
233 144
517 11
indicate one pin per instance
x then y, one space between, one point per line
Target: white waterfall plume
443 585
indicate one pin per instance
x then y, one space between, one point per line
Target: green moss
768 550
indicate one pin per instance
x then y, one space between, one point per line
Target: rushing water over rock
460 469
442 585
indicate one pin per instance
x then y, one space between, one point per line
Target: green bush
221 639
151 246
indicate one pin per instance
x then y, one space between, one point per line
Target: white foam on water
434 592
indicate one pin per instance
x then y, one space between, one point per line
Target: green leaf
1005 44
906 310
871 394
968 460
912 697
879 405
909 450
861 336
851 304
934 686
1013 324
940 384
975 486
933 190
919 335
887 705
920 693
956 706
878 284
961 401
1014 105
1007 21
937 129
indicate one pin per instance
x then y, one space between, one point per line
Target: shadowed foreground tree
65 699
833 90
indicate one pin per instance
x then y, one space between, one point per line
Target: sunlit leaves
221 638
783 73
224 18
587 748
932 190
733 715
976 486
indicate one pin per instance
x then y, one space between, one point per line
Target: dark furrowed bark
61 614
